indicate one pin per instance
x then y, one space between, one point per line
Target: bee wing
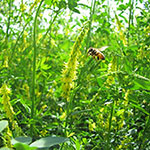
103 48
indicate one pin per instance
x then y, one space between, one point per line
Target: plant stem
50 26
130 19
108 10
34 68
141 146
90 23
110 121
18 38
8 23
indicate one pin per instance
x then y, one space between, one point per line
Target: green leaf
49 141
21 139
127 65
76 10
122 7
141 82
125 19
100 81
5 148
72 4
84 5
48 2
21 146
120 112
81 111
3 125
140 108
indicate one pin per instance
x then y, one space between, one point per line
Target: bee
94 52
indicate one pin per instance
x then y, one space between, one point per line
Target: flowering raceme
69 72
5 91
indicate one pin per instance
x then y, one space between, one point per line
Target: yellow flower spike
5 91
126 97
25 34
112 67
5 65
69 72
120 29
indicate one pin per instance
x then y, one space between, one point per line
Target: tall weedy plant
33 97
69 72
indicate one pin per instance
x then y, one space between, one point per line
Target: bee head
90 50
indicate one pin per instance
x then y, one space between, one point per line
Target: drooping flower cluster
112 67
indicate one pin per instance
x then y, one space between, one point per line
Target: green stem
90 23
130 19
34 68
109 128
141 146
18 38
108 10
8 23
50 26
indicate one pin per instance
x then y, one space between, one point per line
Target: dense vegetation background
55 96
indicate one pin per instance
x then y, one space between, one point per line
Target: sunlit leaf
141 82
5 148
48 2
3 125
140 108
22 139
48 141
72 4
21 146
122 7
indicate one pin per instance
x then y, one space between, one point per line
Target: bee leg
93 57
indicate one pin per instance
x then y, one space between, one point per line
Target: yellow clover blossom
5 91
69 73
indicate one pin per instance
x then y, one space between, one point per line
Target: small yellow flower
41 15
102 109
23 7
114 119
5 90
39 37
63 116
43 132
92 126
70 134
43 107
25 33
5 65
